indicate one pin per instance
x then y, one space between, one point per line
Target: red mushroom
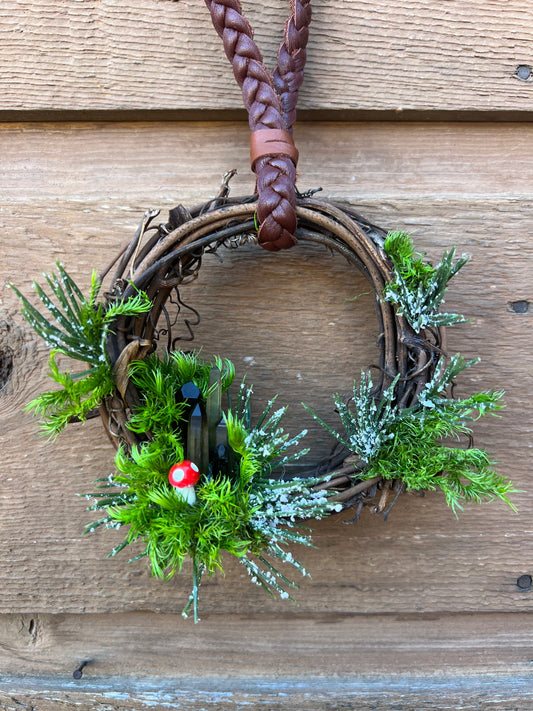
183 477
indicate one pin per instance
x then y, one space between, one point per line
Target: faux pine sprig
417 289
81 323
413 444
77 327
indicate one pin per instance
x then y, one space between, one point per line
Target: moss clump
240 510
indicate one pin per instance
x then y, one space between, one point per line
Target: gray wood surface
394 693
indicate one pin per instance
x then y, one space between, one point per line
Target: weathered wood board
318 661
76 192
398 694
107 55
356 646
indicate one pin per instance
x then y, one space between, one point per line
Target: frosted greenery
414 444
244 507
417 288
75 326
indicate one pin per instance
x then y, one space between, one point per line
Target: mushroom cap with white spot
184 474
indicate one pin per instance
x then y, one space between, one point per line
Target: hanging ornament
160 404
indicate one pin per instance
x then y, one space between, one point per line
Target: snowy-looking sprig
417 288
266 438
75 326
365 419
412 444
278 507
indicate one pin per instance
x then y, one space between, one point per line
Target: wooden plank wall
418 112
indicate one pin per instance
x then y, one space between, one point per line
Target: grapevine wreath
194 475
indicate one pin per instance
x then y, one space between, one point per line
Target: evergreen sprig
266 441
75 326
366 423
417 288
78 395
81 323
411 444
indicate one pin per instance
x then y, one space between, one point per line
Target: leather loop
272 142
270 100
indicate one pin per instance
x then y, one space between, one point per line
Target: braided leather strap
289 74
276 174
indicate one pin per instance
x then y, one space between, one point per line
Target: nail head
524 582
78 673
523 72
520 307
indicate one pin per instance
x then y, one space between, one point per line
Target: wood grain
327 645
405 694
318 661
125 167
76 192
106 55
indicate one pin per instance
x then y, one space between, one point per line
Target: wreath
195 475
